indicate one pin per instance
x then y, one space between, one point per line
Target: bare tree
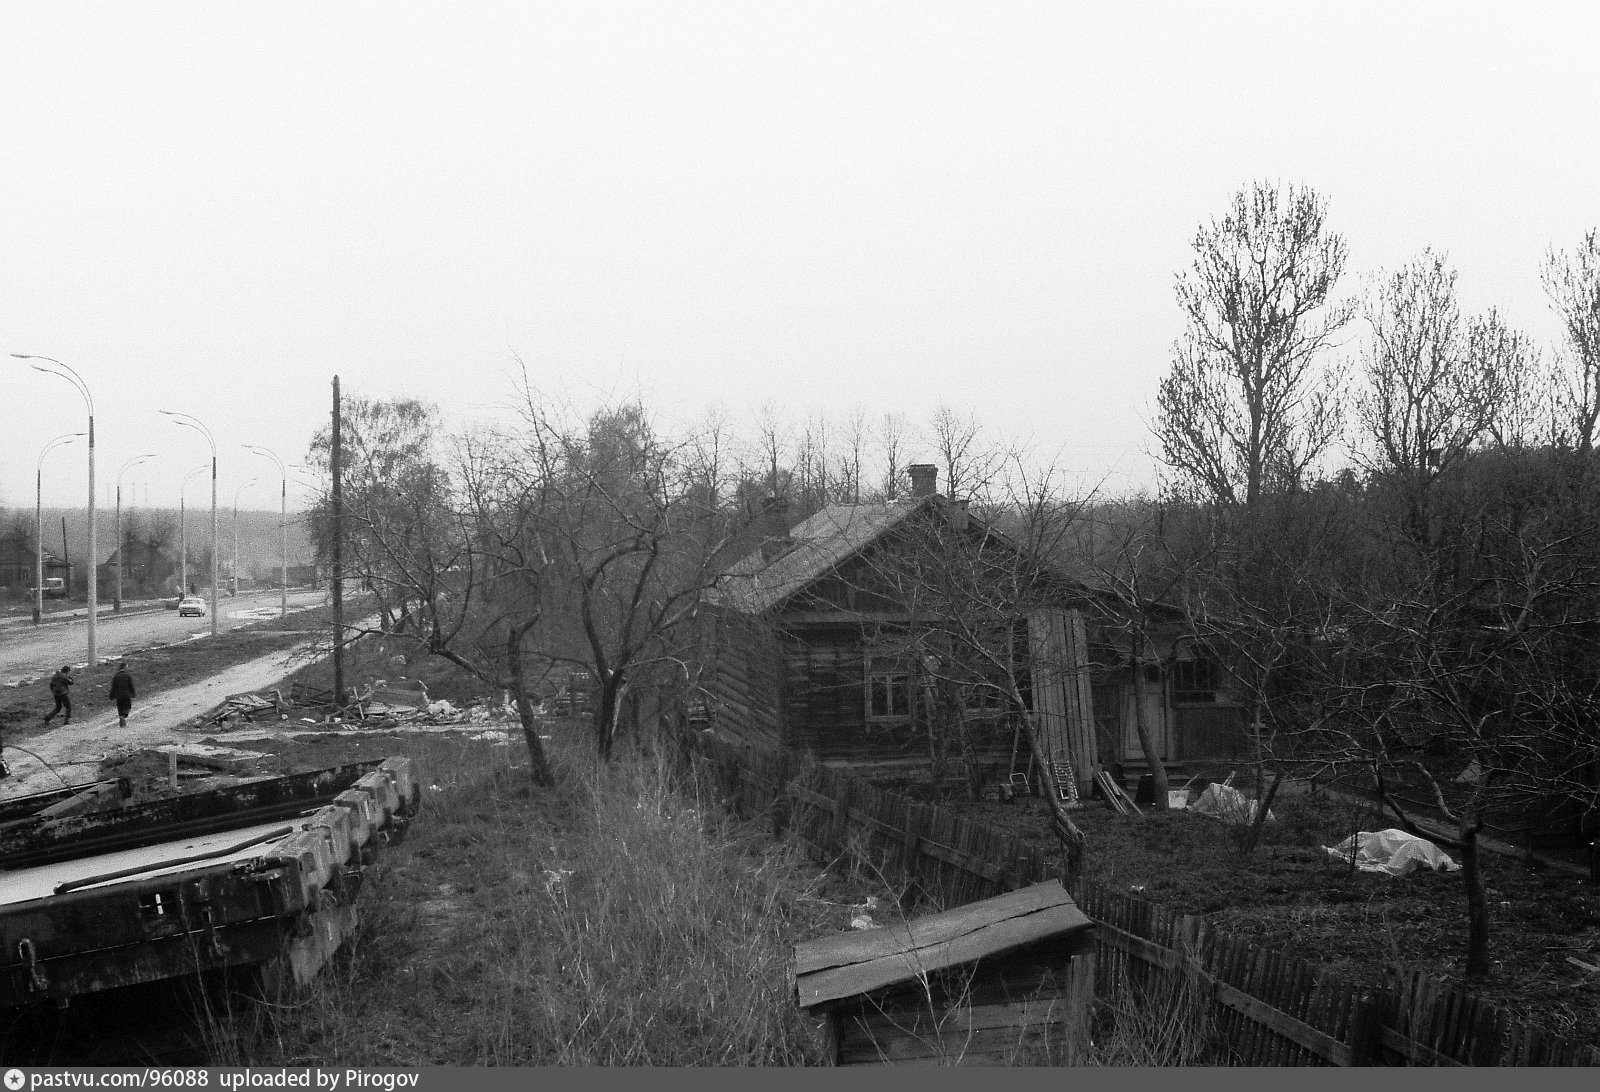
1423 405
1248 404
813 465
852 456
631 549
709 460
969 464
772 449
1525 413
447 555
893 436
1572 281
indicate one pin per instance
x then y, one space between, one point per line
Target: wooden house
1008 980
838 638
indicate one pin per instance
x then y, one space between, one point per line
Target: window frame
887 672
1199 668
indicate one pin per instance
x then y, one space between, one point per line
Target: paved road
30 651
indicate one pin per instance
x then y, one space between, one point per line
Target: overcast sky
214 208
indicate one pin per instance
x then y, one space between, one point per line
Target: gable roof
817 545
821 543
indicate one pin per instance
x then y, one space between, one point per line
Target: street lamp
76 380
283 528
236 493
183 533
38 524
187 421
116 601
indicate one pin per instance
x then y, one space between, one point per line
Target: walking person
61 690
122 693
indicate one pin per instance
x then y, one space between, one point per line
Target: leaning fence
1261 1006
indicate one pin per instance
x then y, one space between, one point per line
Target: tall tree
893 439
445 554
968 464
1248 404
1572 281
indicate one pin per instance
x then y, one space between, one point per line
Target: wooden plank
1137 946
1079 699
1257 1011
1018 1014
1417 1052
858 978
863 945
952 1048
1046 646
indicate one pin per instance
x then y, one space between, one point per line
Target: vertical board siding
1079 699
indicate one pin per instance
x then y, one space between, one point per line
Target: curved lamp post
283 527
236 493
38 523
116 599
190 422
49 367
183 532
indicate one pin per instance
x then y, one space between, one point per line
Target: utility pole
338 554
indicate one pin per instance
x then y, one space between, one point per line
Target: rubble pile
381 704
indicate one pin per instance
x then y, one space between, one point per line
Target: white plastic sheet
1223 801
1391 851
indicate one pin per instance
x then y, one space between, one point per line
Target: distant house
809 644
147 568
17 564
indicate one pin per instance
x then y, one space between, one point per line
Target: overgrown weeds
1164 1023
613 920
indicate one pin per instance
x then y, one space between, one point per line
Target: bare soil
1290 894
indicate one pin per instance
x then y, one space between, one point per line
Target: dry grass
614 920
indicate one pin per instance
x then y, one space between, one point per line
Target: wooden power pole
338 554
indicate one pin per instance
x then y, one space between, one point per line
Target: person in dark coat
61 690
122 693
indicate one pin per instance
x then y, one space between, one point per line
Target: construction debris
381 704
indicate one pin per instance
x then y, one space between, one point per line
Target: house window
1194 681
889 686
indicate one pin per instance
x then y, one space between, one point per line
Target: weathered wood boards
101 901
990 981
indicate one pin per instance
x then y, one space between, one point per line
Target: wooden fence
943 856
1260 1006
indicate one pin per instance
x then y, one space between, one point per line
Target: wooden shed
1005 981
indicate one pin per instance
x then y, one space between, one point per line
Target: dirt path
75 751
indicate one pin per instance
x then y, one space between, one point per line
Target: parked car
191 605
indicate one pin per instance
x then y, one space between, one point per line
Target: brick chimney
924 479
